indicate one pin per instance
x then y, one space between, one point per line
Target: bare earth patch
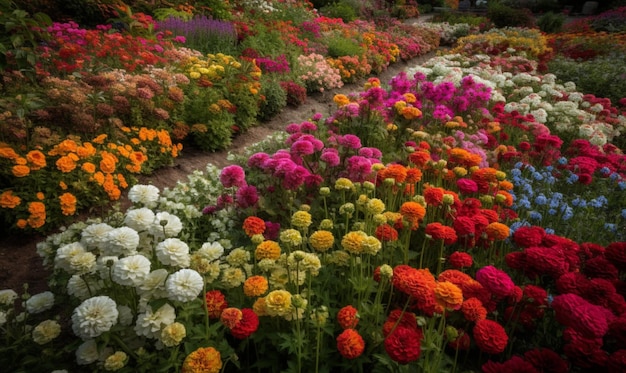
19 262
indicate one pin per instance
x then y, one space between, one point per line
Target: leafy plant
21 34
505 16
341 10
339 46
274 98
551 22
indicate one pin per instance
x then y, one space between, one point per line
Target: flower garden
467 215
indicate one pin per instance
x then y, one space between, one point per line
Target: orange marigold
86 150
253 225
66 164
497 231
231 317
448 295
322 240
413 175
20 170
394 171
36 159
88 167
433 195
267 249
9 200
255 286
108 163
350 344
413 212
68 203
473 310
8 153
203 360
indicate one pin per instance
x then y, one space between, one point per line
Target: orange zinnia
9 200
497 231
255 286
350 344
433 195
448 295
419 158
253 225
394 171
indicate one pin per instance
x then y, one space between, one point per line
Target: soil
19 261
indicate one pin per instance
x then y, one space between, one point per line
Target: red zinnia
527 236
403 344
215 303
348 317
408 320
473 310
460 260
253 225
350 344
616 253
546 360
433 196
439 231
514 365
386 233
247 325
490 337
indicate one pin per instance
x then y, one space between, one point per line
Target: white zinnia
121 241
83 263
154 284
95 235
79 288
166 225
94 316
146 195
211 250
184 285
40 302
149 323
139 219
7 297
173 252
131 271
46 331
87 352
65 253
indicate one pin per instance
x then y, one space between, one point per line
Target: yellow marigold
399 106
8 153
9 200
322 240
20 170
344 184
88 167
259 307
66 164
68 203
409 97
448 295
411 112
255 286
375 206
36 159
267 250
301 219
353 242
203 360
278 303
341 100
497 231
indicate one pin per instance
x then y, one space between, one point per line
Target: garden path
19 262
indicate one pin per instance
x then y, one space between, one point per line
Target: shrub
550 22
274 99
339 10
295 93
505 16
339 46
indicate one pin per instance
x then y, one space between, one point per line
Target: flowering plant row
401 232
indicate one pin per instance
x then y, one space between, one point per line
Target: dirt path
19 262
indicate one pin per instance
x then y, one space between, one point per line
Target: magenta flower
246 196
496 281
233 176
467 186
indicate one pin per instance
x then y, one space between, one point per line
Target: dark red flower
439 231
386 233
574 311
546 360
248 324
460 260
616 253
617 361
408 321
527 236
601 267
403 344
490 337
514 365
572 282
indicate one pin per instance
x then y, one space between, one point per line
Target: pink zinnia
246 196
331 157
350 141
575 312
467 186
496 281
233 176
302 147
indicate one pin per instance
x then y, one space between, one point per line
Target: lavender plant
203 34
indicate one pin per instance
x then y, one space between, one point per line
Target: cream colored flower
46 331
173 334
173 252
40 302
116 361
184 285
149 324
94 316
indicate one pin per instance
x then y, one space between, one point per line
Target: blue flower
568 213
549 168
610 227
572 179
515 172
552 212
519 165
579 202
605 171
524 203
554 203
535 215
516 225
562 161
541 200
622 185
557 196
549 231
624 213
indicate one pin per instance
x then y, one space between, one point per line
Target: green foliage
216 9
87 13
551 23
19 36
265 41
454 18
339 46
598 76
341 10
161 14
505 16
275 98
